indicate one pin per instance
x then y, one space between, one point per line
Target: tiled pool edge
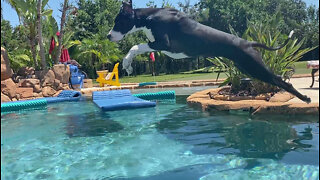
161 85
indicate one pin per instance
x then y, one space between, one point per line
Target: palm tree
27 12
40 41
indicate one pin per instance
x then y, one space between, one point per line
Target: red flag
152 57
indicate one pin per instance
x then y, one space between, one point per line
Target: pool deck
160 85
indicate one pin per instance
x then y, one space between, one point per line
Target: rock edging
278 106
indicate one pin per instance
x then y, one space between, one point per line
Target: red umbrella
152 57
64 55
64 52
52 45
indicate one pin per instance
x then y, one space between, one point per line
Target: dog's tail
259 45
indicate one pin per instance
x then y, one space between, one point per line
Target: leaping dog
173 33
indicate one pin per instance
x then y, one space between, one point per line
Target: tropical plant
280 62
50 28
19 58
27 13
226 66
95 54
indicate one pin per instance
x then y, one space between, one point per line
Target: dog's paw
308 100
129 70
125 64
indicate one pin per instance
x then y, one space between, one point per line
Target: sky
10 15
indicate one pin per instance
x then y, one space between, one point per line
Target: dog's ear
127 7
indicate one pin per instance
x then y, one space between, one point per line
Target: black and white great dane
178 36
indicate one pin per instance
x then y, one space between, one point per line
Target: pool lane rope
164 95
147 84
20 105
67 95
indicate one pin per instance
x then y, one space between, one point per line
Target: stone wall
31 84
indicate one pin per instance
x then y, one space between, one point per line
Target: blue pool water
171 141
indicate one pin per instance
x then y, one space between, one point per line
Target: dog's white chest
175 55
149 34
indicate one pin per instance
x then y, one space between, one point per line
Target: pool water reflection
170 141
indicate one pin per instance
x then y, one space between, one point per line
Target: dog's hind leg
288 87
251 62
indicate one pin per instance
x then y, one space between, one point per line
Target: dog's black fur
313 72
174 32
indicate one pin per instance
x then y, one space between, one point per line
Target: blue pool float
119 100
66 95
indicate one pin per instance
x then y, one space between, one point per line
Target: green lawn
170 77
301 68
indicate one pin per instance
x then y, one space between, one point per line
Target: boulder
57 93
62 73
29 82
18 97
37 95
39 74
5 98
25 92
56 84
281 97
37 88
6 71
17 78
26 71
66 87
48 91
8 88
48 78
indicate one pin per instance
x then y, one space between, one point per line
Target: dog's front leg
134 51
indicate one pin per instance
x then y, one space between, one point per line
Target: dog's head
124 22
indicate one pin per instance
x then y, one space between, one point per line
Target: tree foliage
295 16
87 27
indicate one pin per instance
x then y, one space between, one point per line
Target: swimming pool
171 141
